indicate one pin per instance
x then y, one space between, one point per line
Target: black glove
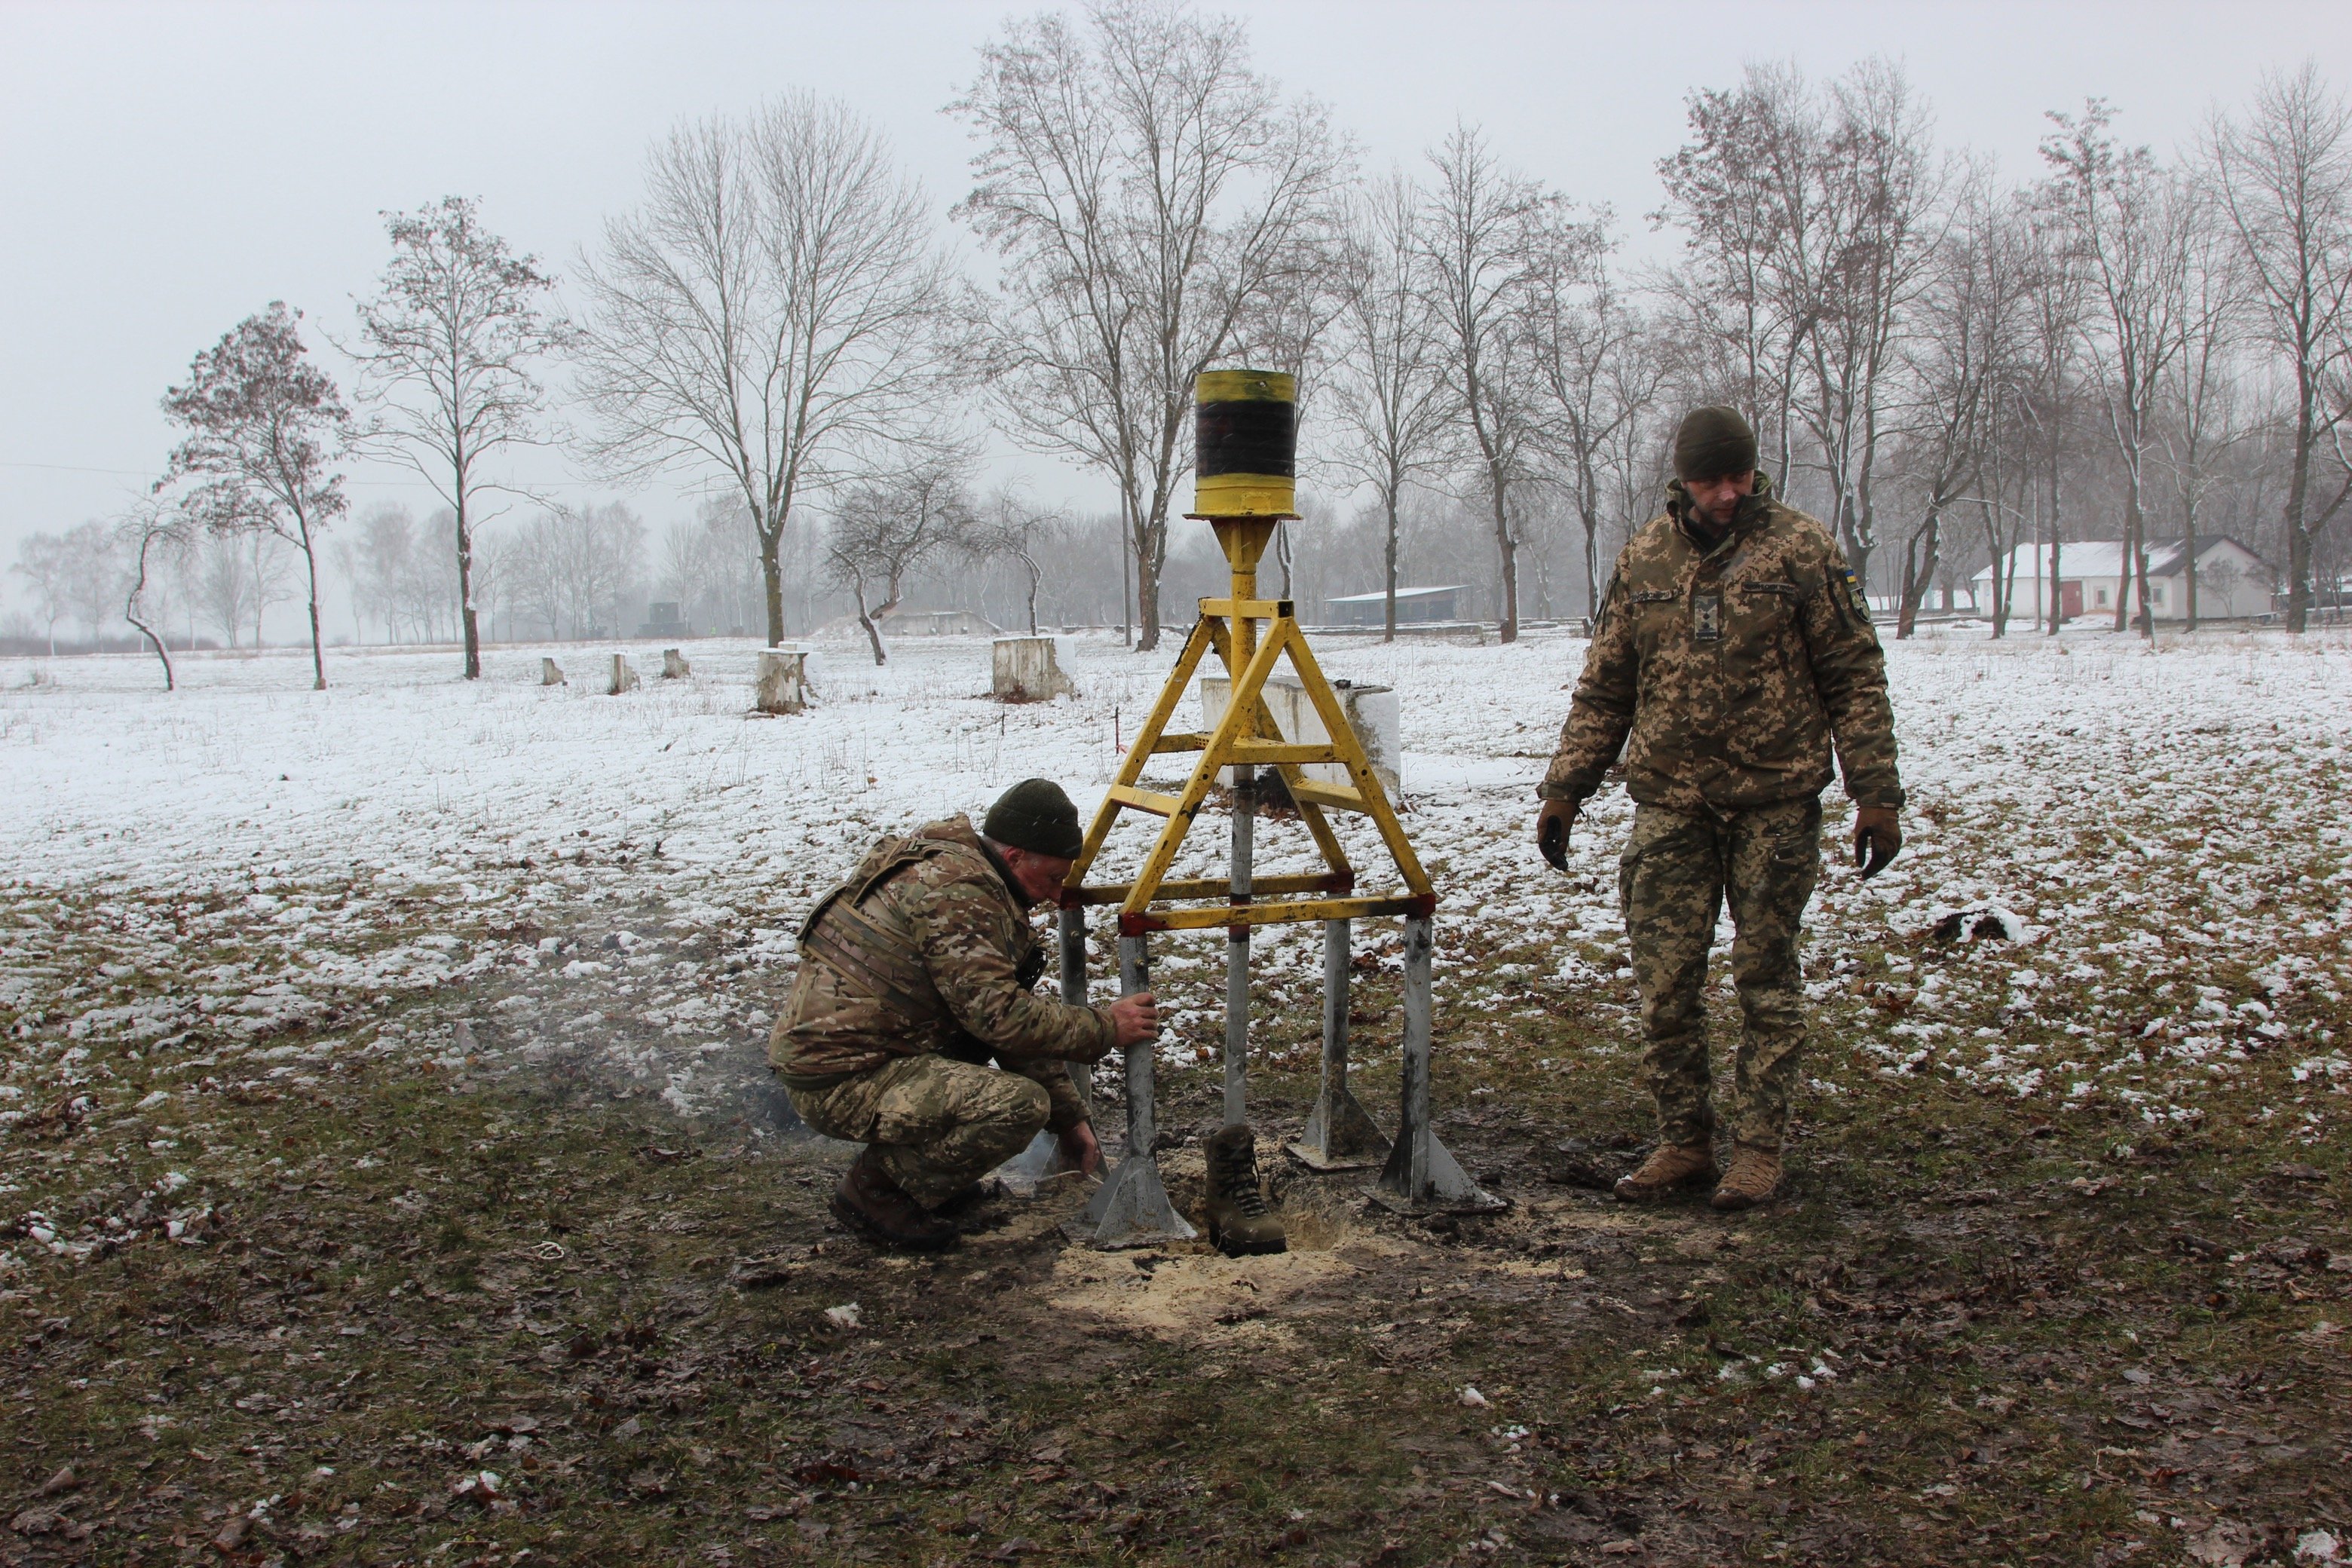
1877 838
1552 823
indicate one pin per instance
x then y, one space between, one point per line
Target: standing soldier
1733 646
914 973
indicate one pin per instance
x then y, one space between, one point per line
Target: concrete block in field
782 685
674 665
1371 712
624 679
550 672
1028 669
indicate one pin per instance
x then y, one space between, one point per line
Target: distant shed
1415 606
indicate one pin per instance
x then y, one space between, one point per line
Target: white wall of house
2232 582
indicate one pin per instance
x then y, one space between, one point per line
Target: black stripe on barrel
1247 435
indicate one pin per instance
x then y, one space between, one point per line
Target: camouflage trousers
936 1124
1675 874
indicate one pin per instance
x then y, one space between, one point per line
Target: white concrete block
1372 712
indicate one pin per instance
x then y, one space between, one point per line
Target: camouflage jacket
926 947
1726 673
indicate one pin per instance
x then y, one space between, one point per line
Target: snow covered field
2171 825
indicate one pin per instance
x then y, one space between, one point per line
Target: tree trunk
1919 571
873 633
772 573
1147 595
2057 506
2298 541
2189 560
130 613
465 584
1388 559
1508 610
318 647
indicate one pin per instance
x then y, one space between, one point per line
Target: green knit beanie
1713 442
1035 816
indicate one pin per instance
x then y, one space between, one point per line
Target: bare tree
1874 198
1593 362
445 350
1740 190
1154 199
155 534
777 312
2285 181
1481 233
1390 391
887 527
2055 281
1009 526
1957 363
573 567
2209 325
45 561
264 428
706 561
2127 220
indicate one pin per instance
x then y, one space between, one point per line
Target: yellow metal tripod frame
1246 736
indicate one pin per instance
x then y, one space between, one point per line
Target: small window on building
2101 600
2157 594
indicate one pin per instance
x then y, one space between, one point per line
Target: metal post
1238 951
1074 991
1341 1133
1421 1175
1132 1208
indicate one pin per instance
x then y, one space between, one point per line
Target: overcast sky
165 170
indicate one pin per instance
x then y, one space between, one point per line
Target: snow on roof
1377 594
2090 558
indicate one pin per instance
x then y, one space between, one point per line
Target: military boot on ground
870 1202
1753 1178
1239 1220
1670 1165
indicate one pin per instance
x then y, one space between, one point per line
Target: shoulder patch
1857 605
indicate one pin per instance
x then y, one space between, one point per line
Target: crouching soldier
915 975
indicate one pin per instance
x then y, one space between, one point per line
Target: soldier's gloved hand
1877 838
1552 823
1135 1018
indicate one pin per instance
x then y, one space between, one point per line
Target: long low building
1415 606
2232 582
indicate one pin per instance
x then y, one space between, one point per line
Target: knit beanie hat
1037 816
1714 441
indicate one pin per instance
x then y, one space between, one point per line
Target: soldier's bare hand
1136 1018
1877 838
1552 823
1080 1151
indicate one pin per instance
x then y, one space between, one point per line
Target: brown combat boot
1239 1220
1670 1165
869 1202
1754 1178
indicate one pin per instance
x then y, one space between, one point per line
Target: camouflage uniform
1726 673
914 973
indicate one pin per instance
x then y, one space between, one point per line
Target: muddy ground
480 1296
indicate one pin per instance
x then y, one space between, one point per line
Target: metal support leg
1132 1209
1341 1133
1420 1175
1074 991
1238 951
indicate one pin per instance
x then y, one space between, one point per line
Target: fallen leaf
64 1481
1012 1549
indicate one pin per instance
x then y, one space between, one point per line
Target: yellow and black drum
1247 453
